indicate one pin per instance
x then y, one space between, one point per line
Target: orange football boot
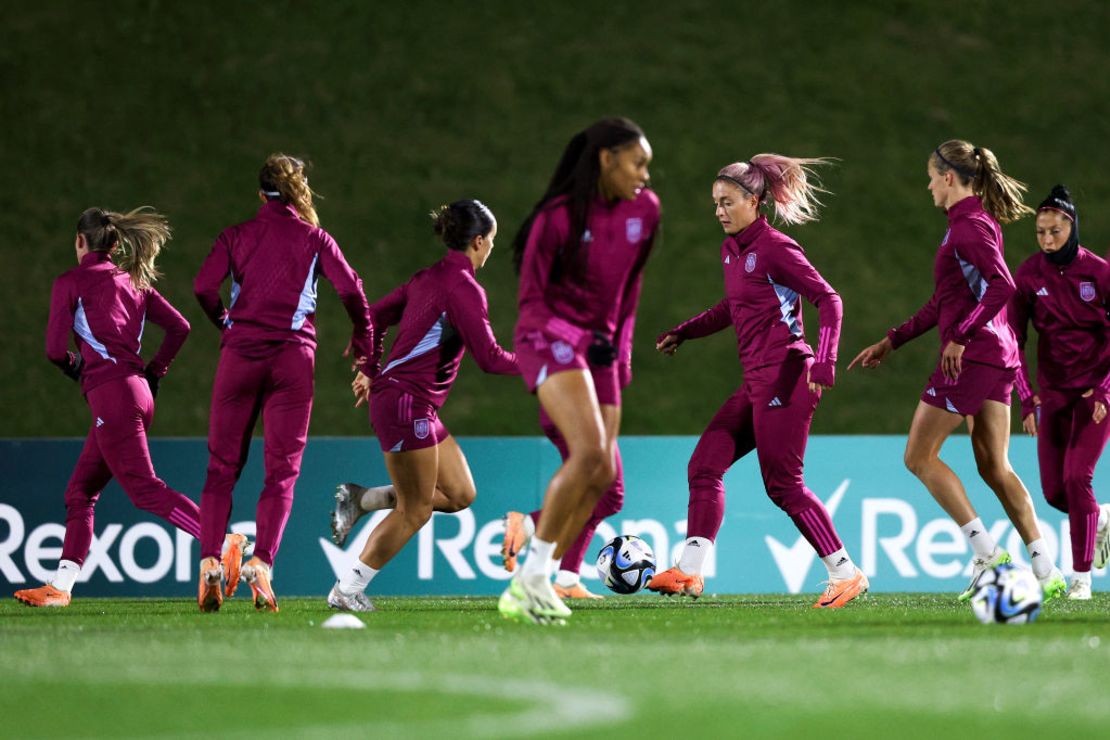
515 538
577 591
673 581
840 591
45 595
232 560
257 575
209 596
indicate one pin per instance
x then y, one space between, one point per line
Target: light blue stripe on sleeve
974 280
81 326
235 288
430 341
307 303
787 299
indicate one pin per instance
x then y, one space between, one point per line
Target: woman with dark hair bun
1064 290
440 312
580 255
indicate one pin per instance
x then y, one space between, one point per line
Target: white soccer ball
1007 595
626 564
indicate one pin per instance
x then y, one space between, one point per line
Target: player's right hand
1031 414
870 357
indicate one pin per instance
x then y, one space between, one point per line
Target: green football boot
1053 585
981 566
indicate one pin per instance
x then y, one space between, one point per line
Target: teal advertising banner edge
888 521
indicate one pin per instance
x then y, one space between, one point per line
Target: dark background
402 107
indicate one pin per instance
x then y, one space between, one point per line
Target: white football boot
348 510
1102 541
344 602
1080 587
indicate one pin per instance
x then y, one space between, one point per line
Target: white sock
357 578
554 567
1103 516
529 528
66 575
538 564
382 497
839 565
1038 558
695 552
982 544
1081 578
566 579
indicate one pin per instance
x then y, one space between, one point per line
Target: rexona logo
112 552
889 530
899 544
888 540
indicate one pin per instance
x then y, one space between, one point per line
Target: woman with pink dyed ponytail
766 275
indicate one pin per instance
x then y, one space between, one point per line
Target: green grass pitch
894 665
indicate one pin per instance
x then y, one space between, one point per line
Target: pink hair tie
1061 211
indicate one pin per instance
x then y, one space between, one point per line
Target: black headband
735 182
962 170
742 186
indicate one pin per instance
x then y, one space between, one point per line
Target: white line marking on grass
553 707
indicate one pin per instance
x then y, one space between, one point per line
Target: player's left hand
821 376
951 360
1100 408
360 386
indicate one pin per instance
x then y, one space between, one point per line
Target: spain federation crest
749 263
634 230
562 352
421 428
1087 291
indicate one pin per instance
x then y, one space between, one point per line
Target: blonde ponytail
789 183
135 239
284 177
1000 194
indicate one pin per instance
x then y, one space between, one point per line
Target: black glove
73 371
601 352
152 380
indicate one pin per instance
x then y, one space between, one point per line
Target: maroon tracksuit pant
1069 444
279 388
122 410
771 414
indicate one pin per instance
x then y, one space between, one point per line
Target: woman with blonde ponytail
974 378
267 358
766 275
104 306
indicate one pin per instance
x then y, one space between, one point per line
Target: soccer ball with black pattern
1007 595
626 564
